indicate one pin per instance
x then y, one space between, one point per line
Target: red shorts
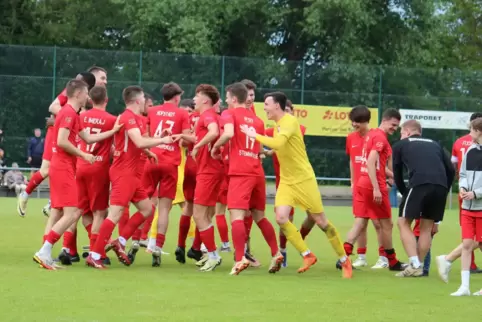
63 187
367 208
93 185
125 189
189 184
207 189
247 193
359 210
276 182
48 144
471 227
223 190
164 175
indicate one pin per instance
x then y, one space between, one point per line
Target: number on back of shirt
91 130
164 125
249 140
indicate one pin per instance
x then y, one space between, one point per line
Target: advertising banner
438 119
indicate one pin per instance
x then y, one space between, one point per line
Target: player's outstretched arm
213 132
64 143
93 138
372 169
273 143
147 142
55 107
226 136
188 137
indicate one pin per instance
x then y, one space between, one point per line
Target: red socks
137 234
269 235
361 251
392 257
196 244
238 234
304 232
184 225
160 239
70 242
132 225
105 232
207 237
472 262
52 237
348 248
381 251
34 182
88 228
44 239
282 240
248 223
123 220
147 226
93 239
222 227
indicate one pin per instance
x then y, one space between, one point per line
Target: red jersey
127 154
167 116
67 118
354 149
375 139
62 97
205 163
252 109
190 162
244 151
269 132
461 145
96 121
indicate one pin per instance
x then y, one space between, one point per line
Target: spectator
35 149
15 180
2 163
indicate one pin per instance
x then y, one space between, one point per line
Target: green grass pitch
177 292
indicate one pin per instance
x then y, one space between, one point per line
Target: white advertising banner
438 119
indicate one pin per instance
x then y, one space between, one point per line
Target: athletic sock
207 237
222 228
238 234
196 244
348 248
184 225
34 182
269 235
131 226
294 237
123 220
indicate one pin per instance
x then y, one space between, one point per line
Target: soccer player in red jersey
360 118
371 191
100 75
459 149
62 169
307 223
166 117
247 187
209 173
43 173
125 185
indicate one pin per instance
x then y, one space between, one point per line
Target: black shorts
426 201
36 161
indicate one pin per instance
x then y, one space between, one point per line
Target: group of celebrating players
188 153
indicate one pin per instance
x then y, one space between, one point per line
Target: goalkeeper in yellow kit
298 185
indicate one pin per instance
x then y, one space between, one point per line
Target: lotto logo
329 115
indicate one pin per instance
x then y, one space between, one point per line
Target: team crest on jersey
68 119
379 145
132 121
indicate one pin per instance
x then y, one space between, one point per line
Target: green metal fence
31 77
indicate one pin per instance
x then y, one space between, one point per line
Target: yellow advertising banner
321 120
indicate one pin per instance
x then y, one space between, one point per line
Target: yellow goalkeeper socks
334 239
192 229
294 237
153 232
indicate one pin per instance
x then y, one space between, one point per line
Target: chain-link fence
31 77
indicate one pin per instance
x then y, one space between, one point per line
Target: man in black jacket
35 149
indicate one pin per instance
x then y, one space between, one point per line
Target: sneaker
398 267
276 262
45 261
240 266
479 293
156 257
252 259
46 209
22 204
462 291
180 255
106 261
211 264
143 243
308 261
64 258
347 268
194 254
135 246
476 271
411 271
120 251
97 264
285 259
360 262
225 249
202 261
203 248
381 263
443 267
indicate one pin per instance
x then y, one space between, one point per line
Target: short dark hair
475 116
187 102
238 90
476 124
210 91
391 113
249 84
98 95
89 79
278 97
289 104
148 97
170 90
74 85
360 114
130 93
96 69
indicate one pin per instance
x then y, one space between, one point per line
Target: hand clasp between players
249 131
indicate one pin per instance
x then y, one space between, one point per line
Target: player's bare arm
213 132
352 176
93 138
372 174
64 143
228 133
188 137
55 107
147 142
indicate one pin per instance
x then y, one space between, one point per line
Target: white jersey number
91 130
